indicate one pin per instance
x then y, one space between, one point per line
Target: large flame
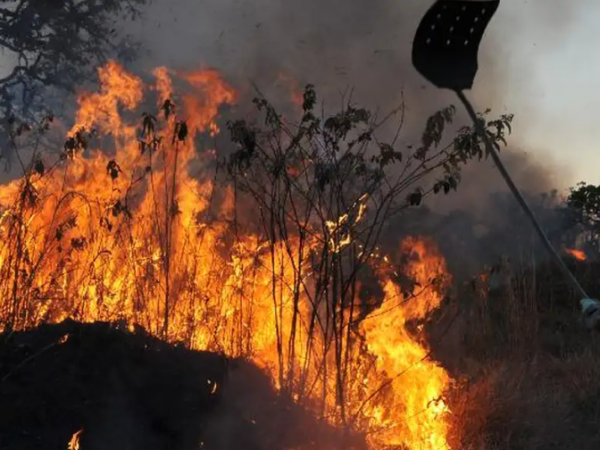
413 411
124 235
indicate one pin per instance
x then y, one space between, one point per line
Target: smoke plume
339 45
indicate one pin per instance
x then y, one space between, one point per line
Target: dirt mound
128 390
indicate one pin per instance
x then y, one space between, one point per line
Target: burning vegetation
129 233
173 279
256 243
577 254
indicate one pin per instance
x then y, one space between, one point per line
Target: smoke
339 45
364 46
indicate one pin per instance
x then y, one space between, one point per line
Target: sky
553 72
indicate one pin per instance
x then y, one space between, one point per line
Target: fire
74 442
413 411
124 235
577 254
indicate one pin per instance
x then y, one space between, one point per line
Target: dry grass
529 373
536 403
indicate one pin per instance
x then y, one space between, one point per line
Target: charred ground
128 390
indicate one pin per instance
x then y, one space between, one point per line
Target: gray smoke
339 44
364 45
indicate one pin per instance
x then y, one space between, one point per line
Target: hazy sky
553 73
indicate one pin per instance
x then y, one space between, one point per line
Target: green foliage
468 145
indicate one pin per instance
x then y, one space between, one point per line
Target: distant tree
55 43
583 211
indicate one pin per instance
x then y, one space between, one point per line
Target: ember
577 254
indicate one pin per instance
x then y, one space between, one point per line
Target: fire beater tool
445 52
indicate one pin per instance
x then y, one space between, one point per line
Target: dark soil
131 391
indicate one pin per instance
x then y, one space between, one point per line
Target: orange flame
74 442
413 412
122 236
577 254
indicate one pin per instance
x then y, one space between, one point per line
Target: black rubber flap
447 41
